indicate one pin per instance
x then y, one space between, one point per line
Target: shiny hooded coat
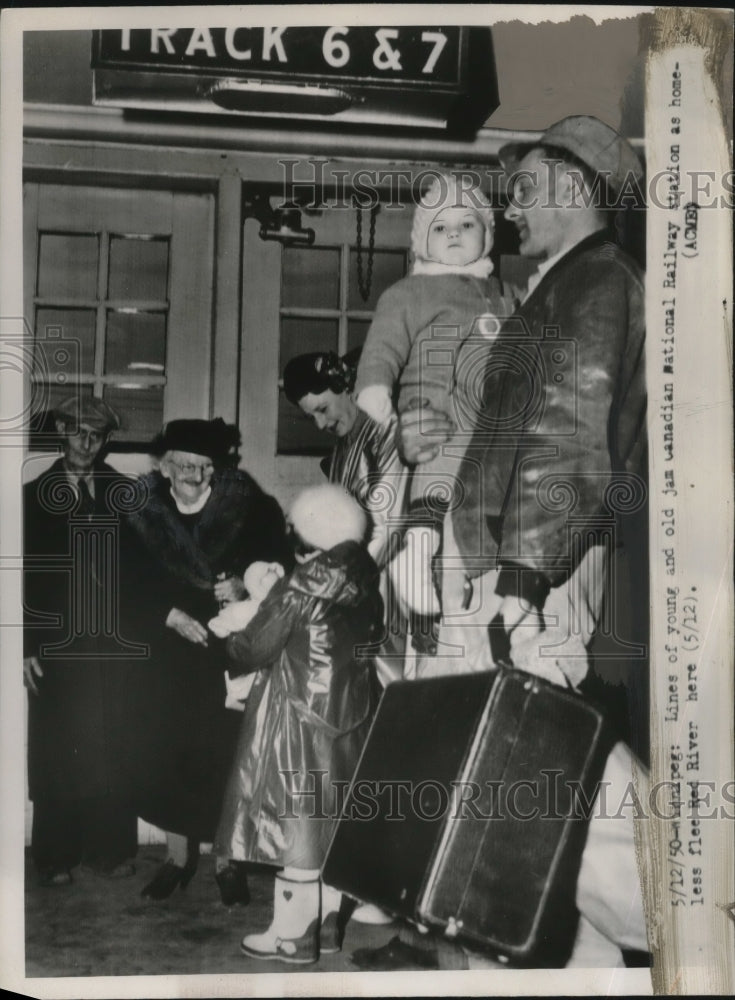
308 712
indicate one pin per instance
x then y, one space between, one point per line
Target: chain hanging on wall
365 280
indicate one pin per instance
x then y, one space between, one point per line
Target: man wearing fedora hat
560 439
74 672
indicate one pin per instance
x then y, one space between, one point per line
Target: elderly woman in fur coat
201 525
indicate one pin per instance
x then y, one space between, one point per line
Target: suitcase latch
453 927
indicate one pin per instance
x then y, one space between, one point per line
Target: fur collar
195 558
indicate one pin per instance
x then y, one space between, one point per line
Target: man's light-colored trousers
608 893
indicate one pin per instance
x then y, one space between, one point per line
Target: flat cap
87 410
592 141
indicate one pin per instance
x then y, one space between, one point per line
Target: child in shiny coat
305 721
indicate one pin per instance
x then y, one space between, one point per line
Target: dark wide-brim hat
212 438
590 140
88 410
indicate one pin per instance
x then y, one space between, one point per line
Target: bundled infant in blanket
258 579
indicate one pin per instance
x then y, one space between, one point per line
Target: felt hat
326 515
590 140
449 191
212 438
88 410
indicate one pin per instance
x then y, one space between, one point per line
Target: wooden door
118 292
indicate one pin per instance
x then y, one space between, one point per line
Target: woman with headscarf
200 526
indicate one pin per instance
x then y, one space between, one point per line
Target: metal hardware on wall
364 281
282 224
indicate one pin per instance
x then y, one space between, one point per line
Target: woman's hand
229 589
421 432
187 627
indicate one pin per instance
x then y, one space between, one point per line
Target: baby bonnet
449 191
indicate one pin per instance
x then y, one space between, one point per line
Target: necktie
86 503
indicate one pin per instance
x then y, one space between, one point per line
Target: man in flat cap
554 469
562 435
75 666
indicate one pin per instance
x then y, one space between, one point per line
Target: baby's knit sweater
418 328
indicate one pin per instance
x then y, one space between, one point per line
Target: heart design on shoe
287 894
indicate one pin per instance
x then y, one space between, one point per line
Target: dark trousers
98 831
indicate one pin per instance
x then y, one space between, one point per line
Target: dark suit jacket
78 625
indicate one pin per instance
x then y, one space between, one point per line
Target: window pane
297 433
310 278
135 342
138 269
300 336
64 343
356 332
140 409
67 266
389 266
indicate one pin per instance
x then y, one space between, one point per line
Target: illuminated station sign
416 76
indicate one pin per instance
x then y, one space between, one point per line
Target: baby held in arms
429 338
258 579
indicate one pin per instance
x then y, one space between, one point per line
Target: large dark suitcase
463 813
